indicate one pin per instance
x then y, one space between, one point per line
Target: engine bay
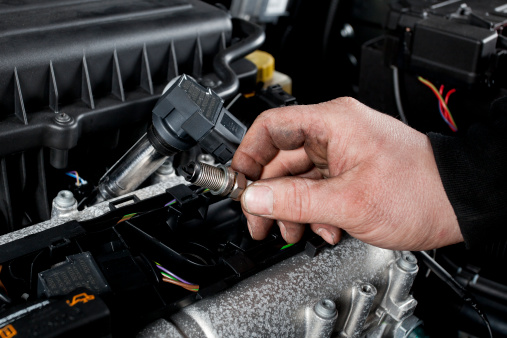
103 103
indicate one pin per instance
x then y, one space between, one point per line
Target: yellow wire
423 80
77 178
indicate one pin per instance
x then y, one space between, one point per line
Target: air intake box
68 68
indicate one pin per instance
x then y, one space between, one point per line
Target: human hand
341 165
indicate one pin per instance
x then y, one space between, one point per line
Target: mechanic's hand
341 165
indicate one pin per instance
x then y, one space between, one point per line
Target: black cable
463 293
254 38
333 6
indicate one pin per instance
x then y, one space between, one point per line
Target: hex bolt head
325 308
240 184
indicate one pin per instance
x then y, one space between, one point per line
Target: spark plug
220 180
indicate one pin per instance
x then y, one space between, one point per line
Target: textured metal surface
64 205
273 302
91 212
160 329
164 172
398 303
363 295
320 321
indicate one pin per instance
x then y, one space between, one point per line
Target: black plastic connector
188 114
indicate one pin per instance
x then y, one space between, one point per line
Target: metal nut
240 184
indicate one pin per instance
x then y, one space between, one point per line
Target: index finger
274 130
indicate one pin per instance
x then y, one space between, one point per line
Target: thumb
297 199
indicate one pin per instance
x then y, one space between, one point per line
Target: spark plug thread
221 180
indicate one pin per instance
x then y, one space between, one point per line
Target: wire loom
171 278
442 104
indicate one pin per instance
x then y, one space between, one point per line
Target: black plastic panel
103 63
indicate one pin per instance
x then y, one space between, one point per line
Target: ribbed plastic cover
88 59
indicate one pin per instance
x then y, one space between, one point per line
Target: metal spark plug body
220 180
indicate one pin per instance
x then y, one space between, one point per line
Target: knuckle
345 101
297 201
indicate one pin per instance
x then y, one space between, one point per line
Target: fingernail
250 229
258 200
283 230
326 235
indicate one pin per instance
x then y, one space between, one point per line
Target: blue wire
446 121
74 176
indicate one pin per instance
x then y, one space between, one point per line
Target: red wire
447 100
444 109
446 115
434 90
449 94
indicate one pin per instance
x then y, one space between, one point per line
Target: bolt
347 31
62 118
407 262
325 308
65 199
208 83
206 158
166 168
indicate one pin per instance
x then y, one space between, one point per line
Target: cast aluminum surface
273 302
93 211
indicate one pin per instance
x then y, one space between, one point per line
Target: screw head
62 118
407 262
65 199
325 308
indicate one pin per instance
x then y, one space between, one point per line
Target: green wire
287 246
169 276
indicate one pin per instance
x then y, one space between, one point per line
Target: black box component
456 44
79 314
457 39
77 271
443 46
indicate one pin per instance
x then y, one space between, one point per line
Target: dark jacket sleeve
473 170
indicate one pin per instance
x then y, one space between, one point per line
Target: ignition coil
187 114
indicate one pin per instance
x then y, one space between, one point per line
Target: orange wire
189 287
